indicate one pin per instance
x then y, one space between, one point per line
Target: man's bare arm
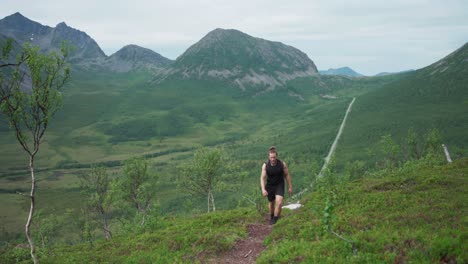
288 178
263 179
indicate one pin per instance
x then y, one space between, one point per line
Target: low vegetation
414 213
411 213
166 240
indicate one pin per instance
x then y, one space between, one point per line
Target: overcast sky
370 36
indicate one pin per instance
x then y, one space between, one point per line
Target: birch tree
96 186
138 186
201 176
29 97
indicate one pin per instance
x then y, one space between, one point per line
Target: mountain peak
136 53
243 59
224 32
132 57
61 25
16 22
17 15
343 71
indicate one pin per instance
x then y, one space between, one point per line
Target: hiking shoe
272 221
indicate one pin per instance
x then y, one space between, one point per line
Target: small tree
201 176
47 226
433 141
138 186
390 150
412 145
30 105
355 169
96 186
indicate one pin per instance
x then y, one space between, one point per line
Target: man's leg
272 207
278 203
271 202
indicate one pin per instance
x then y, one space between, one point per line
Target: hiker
274 171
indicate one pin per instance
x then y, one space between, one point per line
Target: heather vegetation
410 213
406 213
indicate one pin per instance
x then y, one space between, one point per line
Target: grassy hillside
434 97
411 214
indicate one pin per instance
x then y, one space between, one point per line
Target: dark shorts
274 190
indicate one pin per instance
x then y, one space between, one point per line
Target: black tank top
275 173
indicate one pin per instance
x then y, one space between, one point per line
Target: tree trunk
212 202
107 232
143 212
209 201
31 210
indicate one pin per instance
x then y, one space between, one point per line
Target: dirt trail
247 250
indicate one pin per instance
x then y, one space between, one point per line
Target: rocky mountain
86 52
135 57
242 59
47 38
343 71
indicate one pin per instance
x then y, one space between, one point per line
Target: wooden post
447 154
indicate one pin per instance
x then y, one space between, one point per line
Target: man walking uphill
274 171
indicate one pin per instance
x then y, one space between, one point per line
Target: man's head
272 155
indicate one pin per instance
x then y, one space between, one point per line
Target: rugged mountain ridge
242 59
86 52
223 54
23 30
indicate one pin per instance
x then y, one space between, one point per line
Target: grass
171 240
416 214
412 214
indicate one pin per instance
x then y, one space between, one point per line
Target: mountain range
344 71
223 54
86 53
